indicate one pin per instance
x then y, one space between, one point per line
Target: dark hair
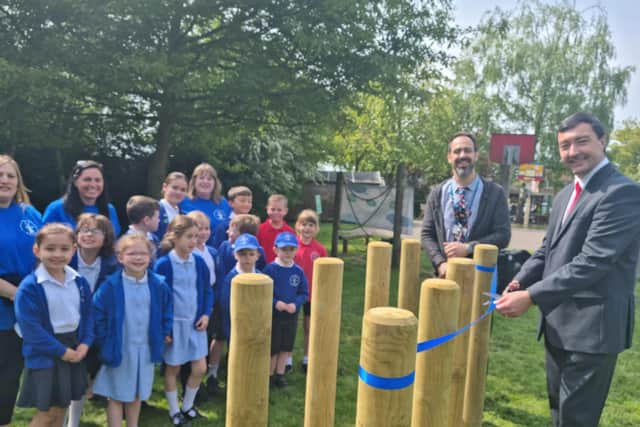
245 223
72 202
104 224
469 135
582 117
140 207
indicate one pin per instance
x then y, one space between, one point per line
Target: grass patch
516 389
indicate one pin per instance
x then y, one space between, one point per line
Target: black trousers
11 364
578 385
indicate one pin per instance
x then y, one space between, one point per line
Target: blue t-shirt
289 284
19 224
55 213
217 212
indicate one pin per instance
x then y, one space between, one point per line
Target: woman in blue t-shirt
205 195
86 193
19 223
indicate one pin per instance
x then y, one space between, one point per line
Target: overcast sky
624 23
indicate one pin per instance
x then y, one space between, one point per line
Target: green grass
516 390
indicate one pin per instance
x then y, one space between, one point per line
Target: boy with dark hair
143 213
240 199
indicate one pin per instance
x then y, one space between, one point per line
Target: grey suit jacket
491 226
583 276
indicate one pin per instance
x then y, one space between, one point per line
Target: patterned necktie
461 216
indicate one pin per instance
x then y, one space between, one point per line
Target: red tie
575 199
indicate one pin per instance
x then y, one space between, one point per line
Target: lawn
515 385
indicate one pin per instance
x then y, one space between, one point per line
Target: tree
625 152
152 72
537 64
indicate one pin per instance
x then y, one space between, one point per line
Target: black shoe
281 382
191 414
272 381
288 368
177 419
202 396
212 386
304 367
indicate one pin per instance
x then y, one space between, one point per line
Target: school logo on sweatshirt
294 280
218 214
28 227
314 255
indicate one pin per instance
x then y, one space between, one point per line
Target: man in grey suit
463 210
583 276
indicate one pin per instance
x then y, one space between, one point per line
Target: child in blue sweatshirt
290 292
133 319
188 277
54 313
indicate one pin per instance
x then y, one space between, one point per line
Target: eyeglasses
91 231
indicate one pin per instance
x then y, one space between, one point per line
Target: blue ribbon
385 383
429 344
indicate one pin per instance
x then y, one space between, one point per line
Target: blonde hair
205 169
199 217
129 240
246 223
22 191
238 190
55 228
177 227
308 215
274 198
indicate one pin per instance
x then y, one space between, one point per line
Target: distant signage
531 172
512 149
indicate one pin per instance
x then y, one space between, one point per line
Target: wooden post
388 351
397 213
439 301
320 397
376 292
461 271
484 256
409 279
250 351
337 205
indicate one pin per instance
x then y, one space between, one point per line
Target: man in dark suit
463 210
583 276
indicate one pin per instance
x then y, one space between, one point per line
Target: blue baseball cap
246 241
286 239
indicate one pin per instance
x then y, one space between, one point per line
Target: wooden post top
252 279
379 245
460 261
443 284
328 261
390 316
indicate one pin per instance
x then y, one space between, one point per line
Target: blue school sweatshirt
55 213
108 303
289 284
164 268
40 345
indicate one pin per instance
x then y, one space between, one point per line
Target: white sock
289 360
189 398
172 401
305 360
75 412
213 371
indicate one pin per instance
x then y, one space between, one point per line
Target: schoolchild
86 192
133 321
205 195
245 251
54 312
143 213
240 224
240 200
309 249
277 209
19 223
174 190
188 277
289 294
94 260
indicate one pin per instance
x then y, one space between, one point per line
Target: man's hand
514 285
514 304
455 249
442 270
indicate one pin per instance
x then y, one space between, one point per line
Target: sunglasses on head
82 165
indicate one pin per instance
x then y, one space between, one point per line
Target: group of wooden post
448 390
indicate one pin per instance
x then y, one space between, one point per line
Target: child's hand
82 350
167 339
291 308
69 355
281 306
202 323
